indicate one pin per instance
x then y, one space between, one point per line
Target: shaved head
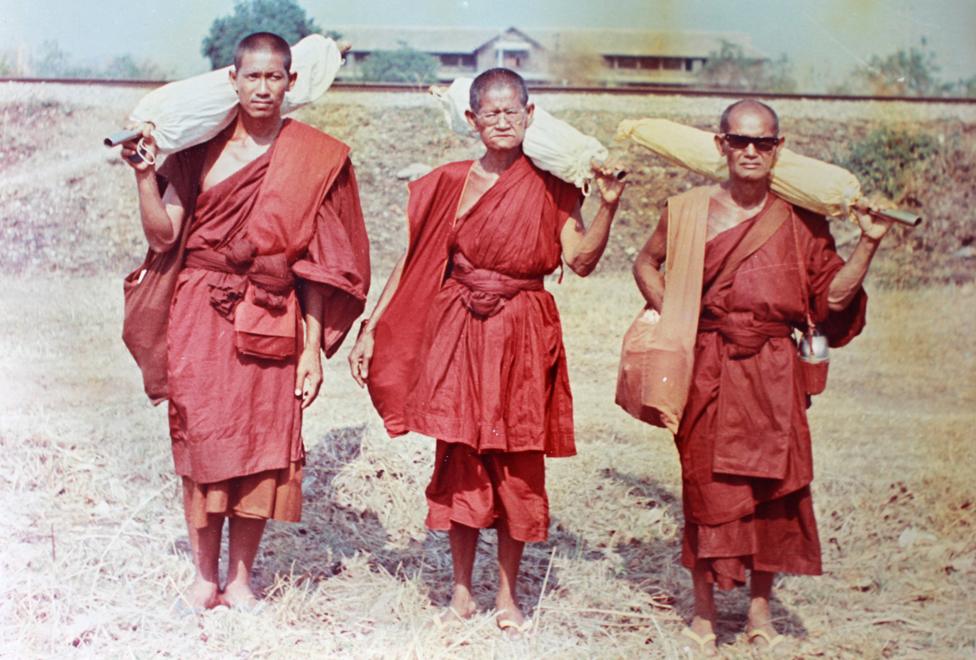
744 105
263 41
492 78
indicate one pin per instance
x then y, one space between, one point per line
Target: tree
402 65
729 68
283 17
52 62
966 87
125 67
903 73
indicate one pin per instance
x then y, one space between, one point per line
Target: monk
276 269
743 439
465 344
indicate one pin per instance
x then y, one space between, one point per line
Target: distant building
601 57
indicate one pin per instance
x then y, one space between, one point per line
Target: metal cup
813 347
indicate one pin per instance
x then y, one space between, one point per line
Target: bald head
499 77
747 105
263 41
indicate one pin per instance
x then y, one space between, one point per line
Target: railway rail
543 89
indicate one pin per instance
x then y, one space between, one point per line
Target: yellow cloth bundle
807 182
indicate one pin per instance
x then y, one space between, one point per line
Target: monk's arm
647 265
362 352
162 215
847 282
582 248
308 378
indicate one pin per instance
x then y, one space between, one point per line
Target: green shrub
402 65
884 159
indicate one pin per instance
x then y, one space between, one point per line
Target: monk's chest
722 217
476 185
231 159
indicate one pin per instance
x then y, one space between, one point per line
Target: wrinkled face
502 119
261 83
750 161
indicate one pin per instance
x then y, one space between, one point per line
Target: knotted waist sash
486 291
744 335
262 304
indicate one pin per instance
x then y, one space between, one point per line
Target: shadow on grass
329 532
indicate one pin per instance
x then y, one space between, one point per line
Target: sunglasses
739 142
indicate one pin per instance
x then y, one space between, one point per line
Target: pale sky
823 38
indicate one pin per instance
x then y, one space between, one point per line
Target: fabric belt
486 291
742 332
269 275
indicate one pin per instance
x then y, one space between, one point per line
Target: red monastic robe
744 441
231 414
496 381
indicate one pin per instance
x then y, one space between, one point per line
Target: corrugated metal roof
643 42
604 42
428 39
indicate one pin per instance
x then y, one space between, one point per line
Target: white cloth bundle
807 182
194 110
552 144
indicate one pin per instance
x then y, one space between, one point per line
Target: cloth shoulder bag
657 357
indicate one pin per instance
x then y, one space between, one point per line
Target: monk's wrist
146 174
365 329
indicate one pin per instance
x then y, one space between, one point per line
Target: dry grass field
94 549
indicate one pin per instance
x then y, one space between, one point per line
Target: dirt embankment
67 204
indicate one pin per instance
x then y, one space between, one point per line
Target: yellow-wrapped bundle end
682 145
815 185
807 182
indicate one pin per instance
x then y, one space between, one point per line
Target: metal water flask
813 347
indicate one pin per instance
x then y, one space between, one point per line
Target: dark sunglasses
740 142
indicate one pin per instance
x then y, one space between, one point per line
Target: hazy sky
823 38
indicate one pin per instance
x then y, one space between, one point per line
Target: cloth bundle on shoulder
807 182
550 143
187 112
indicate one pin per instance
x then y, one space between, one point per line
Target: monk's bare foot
509 618
239 597
462 606
759 628
201 595
699 638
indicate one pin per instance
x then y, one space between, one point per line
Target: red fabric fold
494 382
744 441
487 290
233 410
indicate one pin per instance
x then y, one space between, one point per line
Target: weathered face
502 119
261 83
750 160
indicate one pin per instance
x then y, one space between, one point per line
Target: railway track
636 90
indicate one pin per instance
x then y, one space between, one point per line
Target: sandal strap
701 640
771 640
